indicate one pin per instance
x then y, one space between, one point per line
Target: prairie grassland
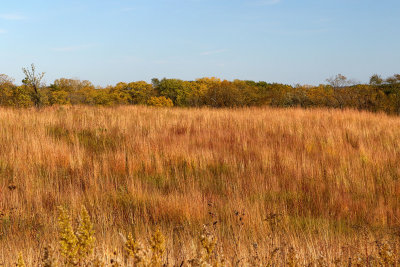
322 185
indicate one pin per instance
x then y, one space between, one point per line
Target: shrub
160 101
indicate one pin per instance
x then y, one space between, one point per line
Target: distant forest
339 92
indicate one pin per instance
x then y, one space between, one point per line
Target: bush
160 101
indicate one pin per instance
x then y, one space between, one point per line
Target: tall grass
315 184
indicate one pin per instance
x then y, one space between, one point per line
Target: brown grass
312 179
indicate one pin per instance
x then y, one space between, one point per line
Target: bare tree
336 81
34 81
339 81
4 79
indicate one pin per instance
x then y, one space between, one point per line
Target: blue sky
288 41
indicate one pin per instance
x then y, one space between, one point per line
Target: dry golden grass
323 182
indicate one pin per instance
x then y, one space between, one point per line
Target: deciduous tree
33 81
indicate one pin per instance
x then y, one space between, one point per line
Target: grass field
287 186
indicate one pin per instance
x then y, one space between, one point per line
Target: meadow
197 186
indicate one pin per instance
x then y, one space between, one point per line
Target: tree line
381 94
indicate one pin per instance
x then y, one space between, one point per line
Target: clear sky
288 41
